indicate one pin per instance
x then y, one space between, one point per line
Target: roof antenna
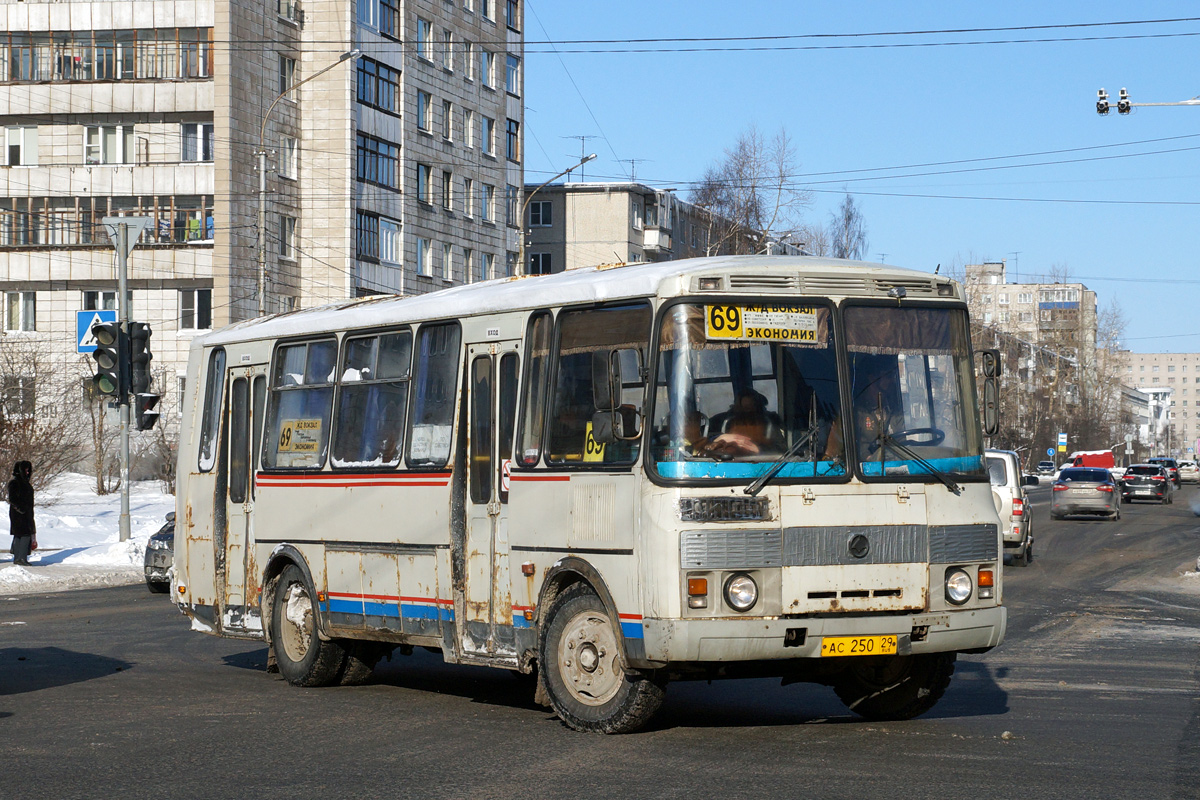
935 269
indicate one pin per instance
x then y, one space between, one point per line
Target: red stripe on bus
322 484
540 477
630 616
342 476
435 600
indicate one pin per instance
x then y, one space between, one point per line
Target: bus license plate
858 646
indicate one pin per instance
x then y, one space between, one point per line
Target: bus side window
587 338
214 390
301 405
433 395
537 358
372 401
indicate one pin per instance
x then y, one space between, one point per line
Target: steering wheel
938 436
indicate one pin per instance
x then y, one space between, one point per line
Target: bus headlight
741 592
958 586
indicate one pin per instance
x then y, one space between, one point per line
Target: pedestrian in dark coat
20 512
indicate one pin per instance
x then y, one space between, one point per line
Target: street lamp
262 178
525 206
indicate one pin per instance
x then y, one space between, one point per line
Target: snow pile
79 539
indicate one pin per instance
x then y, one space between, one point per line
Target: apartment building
572 225
393 169
1173 379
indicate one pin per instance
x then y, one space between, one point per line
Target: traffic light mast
1125 105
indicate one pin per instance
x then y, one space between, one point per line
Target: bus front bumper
674 641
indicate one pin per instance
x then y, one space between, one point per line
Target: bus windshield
742 387
913 391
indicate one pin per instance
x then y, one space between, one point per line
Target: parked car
1147 482
1189 472
160 556
1085 490
1171 466
1045 468
1008 492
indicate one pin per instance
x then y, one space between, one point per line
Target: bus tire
361 658
304 659
580 666
894 687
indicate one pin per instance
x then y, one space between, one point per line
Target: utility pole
125 231
525 206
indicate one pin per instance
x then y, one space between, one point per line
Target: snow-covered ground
78 537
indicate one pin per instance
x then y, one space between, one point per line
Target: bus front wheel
304 659
579 661
894 687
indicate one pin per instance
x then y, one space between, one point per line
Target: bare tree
848 231
39 419
750 194
815 239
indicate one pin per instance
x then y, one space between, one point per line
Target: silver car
160 556
1085 490
1008 492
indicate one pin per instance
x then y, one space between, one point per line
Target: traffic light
1123 104
139 357
1101 102
144 414
110 355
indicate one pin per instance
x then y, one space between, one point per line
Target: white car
1189 472
1008 492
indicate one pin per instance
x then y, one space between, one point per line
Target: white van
1008 492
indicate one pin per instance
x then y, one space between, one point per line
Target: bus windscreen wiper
887 441
804 438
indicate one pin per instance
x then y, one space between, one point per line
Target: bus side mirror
992 365
991 406
606 380
617 424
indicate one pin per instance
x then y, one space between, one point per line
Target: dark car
160 556
1085 490
1171 466
1147 482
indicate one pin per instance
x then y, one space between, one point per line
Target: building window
108 144
468 197
288 154
377 161
485 8
287 73
289 10
487 66
195 309
487 134
638 222
540 214
447 120
424 110
539 264
424 38
489 266
389 18
20 311
424 189
468 127
424 257
100 301
512 14
448 49
447 190
197 141
391 245
378 86
1025 297
487 210
287 236
512 76
366 229
20 146
469 59
447 261
511 197
1003 299
469 265
1171 368
19 397
512 147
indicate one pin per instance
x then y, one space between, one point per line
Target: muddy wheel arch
280 558
566 572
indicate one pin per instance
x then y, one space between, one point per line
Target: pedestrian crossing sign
84 320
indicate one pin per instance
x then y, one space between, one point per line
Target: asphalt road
1095 694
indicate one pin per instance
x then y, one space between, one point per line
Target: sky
1043 182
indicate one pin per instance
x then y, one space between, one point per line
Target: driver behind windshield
877 403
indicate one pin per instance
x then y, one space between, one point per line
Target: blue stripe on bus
361 608
632 630
710 469
963 464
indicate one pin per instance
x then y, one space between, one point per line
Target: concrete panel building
1173 380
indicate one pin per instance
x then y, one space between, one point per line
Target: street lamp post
262 178
525 206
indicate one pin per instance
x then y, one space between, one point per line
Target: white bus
615 477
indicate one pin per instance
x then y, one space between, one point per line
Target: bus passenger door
485 627
246 405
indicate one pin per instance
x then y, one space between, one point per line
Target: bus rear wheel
579 662
304 659
895 687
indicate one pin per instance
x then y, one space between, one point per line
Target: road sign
135 225
1062 439
84 320
1128 439
1049 451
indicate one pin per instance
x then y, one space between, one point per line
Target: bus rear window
213 391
